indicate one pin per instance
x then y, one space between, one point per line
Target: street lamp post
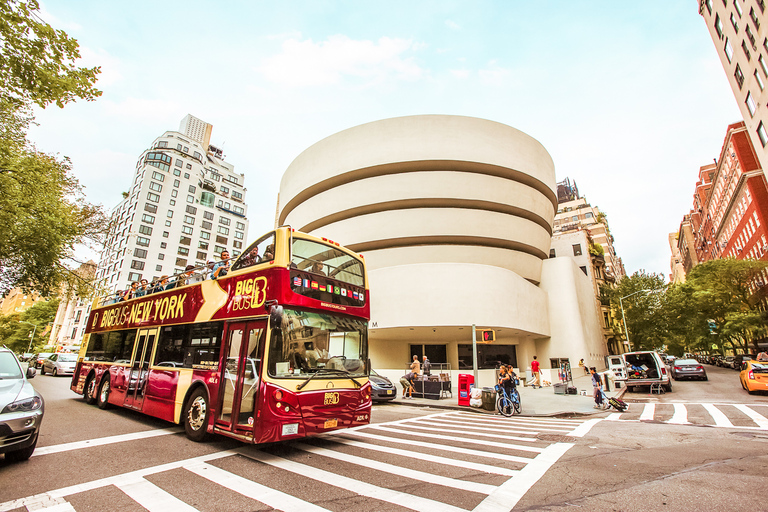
31 338
624 318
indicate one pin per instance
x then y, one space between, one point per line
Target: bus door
137 381
240 378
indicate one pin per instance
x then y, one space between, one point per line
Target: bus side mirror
276 315
368 366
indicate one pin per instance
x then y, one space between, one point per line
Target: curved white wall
447 210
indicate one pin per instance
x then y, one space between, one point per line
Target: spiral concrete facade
454 217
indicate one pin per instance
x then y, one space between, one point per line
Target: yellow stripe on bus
182 385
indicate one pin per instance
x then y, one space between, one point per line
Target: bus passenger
252 257
131 292
143 289
317 268
269 253
162 285
220 269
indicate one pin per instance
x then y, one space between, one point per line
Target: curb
477 410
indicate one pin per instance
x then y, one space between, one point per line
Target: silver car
59 364
21 409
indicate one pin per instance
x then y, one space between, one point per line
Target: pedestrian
536 370
415 365
583 366
407 382
425 367
597 384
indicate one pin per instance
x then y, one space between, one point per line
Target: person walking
536 370
426 366
597 384
415 365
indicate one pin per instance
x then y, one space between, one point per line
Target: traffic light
488 335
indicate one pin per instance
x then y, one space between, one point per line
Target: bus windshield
307 342
327 261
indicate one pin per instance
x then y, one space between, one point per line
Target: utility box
466 381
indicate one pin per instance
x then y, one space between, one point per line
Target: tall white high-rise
185 205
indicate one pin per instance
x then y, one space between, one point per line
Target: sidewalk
535 402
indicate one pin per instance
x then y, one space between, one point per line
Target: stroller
617 403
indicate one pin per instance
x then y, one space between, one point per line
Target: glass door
137 381
240 375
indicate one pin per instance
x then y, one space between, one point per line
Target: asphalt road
410 458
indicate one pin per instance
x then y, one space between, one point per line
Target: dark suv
21 409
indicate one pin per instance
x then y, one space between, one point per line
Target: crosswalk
453 461
726 415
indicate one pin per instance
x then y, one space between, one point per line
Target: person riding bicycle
507 379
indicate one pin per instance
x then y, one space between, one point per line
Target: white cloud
460 73
67 26
452 25
110 67
306 63
136 108
494 74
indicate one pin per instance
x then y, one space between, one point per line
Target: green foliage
642 297
15 329
596 249
43 213
37 63
719 291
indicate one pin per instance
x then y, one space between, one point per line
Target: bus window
258 252
308 342
327 261
113 346
190 346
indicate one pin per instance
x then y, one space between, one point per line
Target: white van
646 368
617 366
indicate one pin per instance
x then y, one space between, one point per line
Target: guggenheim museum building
454 218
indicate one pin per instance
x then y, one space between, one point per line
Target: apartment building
738 29
185 205
581 233
730 206
72 314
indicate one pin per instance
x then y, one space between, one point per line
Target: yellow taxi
754 376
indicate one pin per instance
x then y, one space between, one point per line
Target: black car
382 388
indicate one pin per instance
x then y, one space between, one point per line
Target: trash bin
489 399
560 389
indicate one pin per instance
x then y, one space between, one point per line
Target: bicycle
508 405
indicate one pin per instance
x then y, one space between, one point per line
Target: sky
629 98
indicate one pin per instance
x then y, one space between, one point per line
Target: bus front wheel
196 416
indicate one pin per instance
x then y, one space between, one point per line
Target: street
710 457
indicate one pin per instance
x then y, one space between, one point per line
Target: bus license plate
331 423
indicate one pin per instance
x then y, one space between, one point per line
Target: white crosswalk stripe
723 415
485 462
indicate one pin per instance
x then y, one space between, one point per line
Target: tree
641 296
717 305
43 213
16 329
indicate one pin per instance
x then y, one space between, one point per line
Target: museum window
435 353
488 356
577 249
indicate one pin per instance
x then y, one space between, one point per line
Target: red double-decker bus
277 349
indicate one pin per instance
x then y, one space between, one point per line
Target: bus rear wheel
196 416
102 400
89 392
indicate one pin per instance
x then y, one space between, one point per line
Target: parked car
26 356
729 362
59 364
718 360
37 359
645 369
21 409
382 388
743 358
687 369
754 376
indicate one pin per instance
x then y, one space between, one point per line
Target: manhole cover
552 438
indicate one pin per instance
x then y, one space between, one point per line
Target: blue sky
629 98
